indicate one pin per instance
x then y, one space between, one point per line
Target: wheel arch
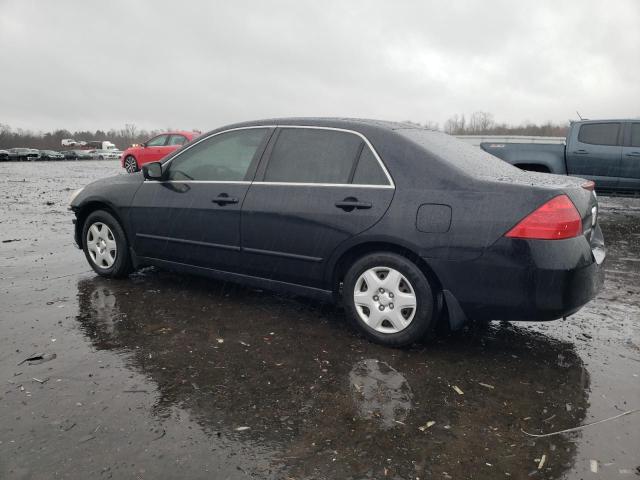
87 209
533 167
350 255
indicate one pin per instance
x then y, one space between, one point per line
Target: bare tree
480 122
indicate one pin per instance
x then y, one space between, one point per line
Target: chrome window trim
391 183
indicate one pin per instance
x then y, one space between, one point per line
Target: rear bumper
532 280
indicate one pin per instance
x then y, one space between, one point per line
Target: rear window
635 134
305 155
599 133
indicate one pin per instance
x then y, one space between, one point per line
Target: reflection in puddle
291 371
381 392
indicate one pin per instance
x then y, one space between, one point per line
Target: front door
594 152
630 162
153 150
317 188
193 216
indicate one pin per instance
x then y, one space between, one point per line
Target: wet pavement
173 376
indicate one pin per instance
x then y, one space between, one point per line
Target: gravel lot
173 376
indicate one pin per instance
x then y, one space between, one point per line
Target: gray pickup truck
605 151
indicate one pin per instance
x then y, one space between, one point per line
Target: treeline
478 123
122 138
483 123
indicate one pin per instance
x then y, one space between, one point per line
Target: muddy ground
172 376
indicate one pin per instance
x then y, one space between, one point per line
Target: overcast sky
100 64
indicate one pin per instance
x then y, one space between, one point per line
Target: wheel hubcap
385 300
101 245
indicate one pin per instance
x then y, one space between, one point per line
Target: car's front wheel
389 299
130 164
105 245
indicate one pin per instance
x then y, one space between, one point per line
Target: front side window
599 133
305 155
224 158
157 141
635 134
177 140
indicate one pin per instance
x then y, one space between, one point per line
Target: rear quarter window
368 171
599 133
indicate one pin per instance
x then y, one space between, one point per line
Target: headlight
74 195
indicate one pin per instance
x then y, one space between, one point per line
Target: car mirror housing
152 171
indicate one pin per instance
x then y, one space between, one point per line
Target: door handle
633 154
580 152
351 203
224 199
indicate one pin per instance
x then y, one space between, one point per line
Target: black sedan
50 155
404 225
77 155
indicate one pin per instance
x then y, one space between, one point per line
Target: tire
130 164
105 245
399 279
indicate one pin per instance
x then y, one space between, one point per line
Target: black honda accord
404 225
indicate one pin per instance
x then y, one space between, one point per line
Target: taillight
555 220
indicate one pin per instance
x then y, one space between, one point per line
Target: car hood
115 191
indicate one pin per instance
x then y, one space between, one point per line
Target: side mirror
143 145
152 171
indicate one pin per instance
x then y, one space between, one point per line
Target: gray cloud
89 64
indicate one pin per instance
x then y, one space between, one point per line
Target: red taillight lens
555 220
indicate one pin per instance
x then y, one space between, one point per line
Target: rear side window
599 133
305 155
368 170
177 140
223 158
635 134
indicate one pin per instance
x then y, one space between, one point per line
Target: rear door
193 216
316 188
594 151
630 162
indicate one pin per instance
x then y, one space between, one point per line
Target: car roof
335 122
178 132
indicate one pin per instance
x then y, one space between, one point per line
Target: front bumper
532 280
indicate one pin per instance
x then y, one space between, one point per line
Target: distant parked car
105 154
4 155
604 151
154 149
77 155
22 154
51 155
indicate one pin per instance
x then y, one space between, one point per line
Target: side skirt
257 282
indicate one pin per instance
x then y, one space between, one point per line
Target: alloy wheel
130 165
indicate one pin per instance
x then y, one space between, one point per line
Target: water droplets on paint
381 392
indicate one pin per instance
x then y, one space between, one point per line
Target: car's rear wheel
130 164
105 245
389 299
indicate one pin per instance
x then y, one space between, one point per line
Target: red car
154 149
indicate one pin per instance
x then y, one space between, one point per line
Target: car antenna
580 116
